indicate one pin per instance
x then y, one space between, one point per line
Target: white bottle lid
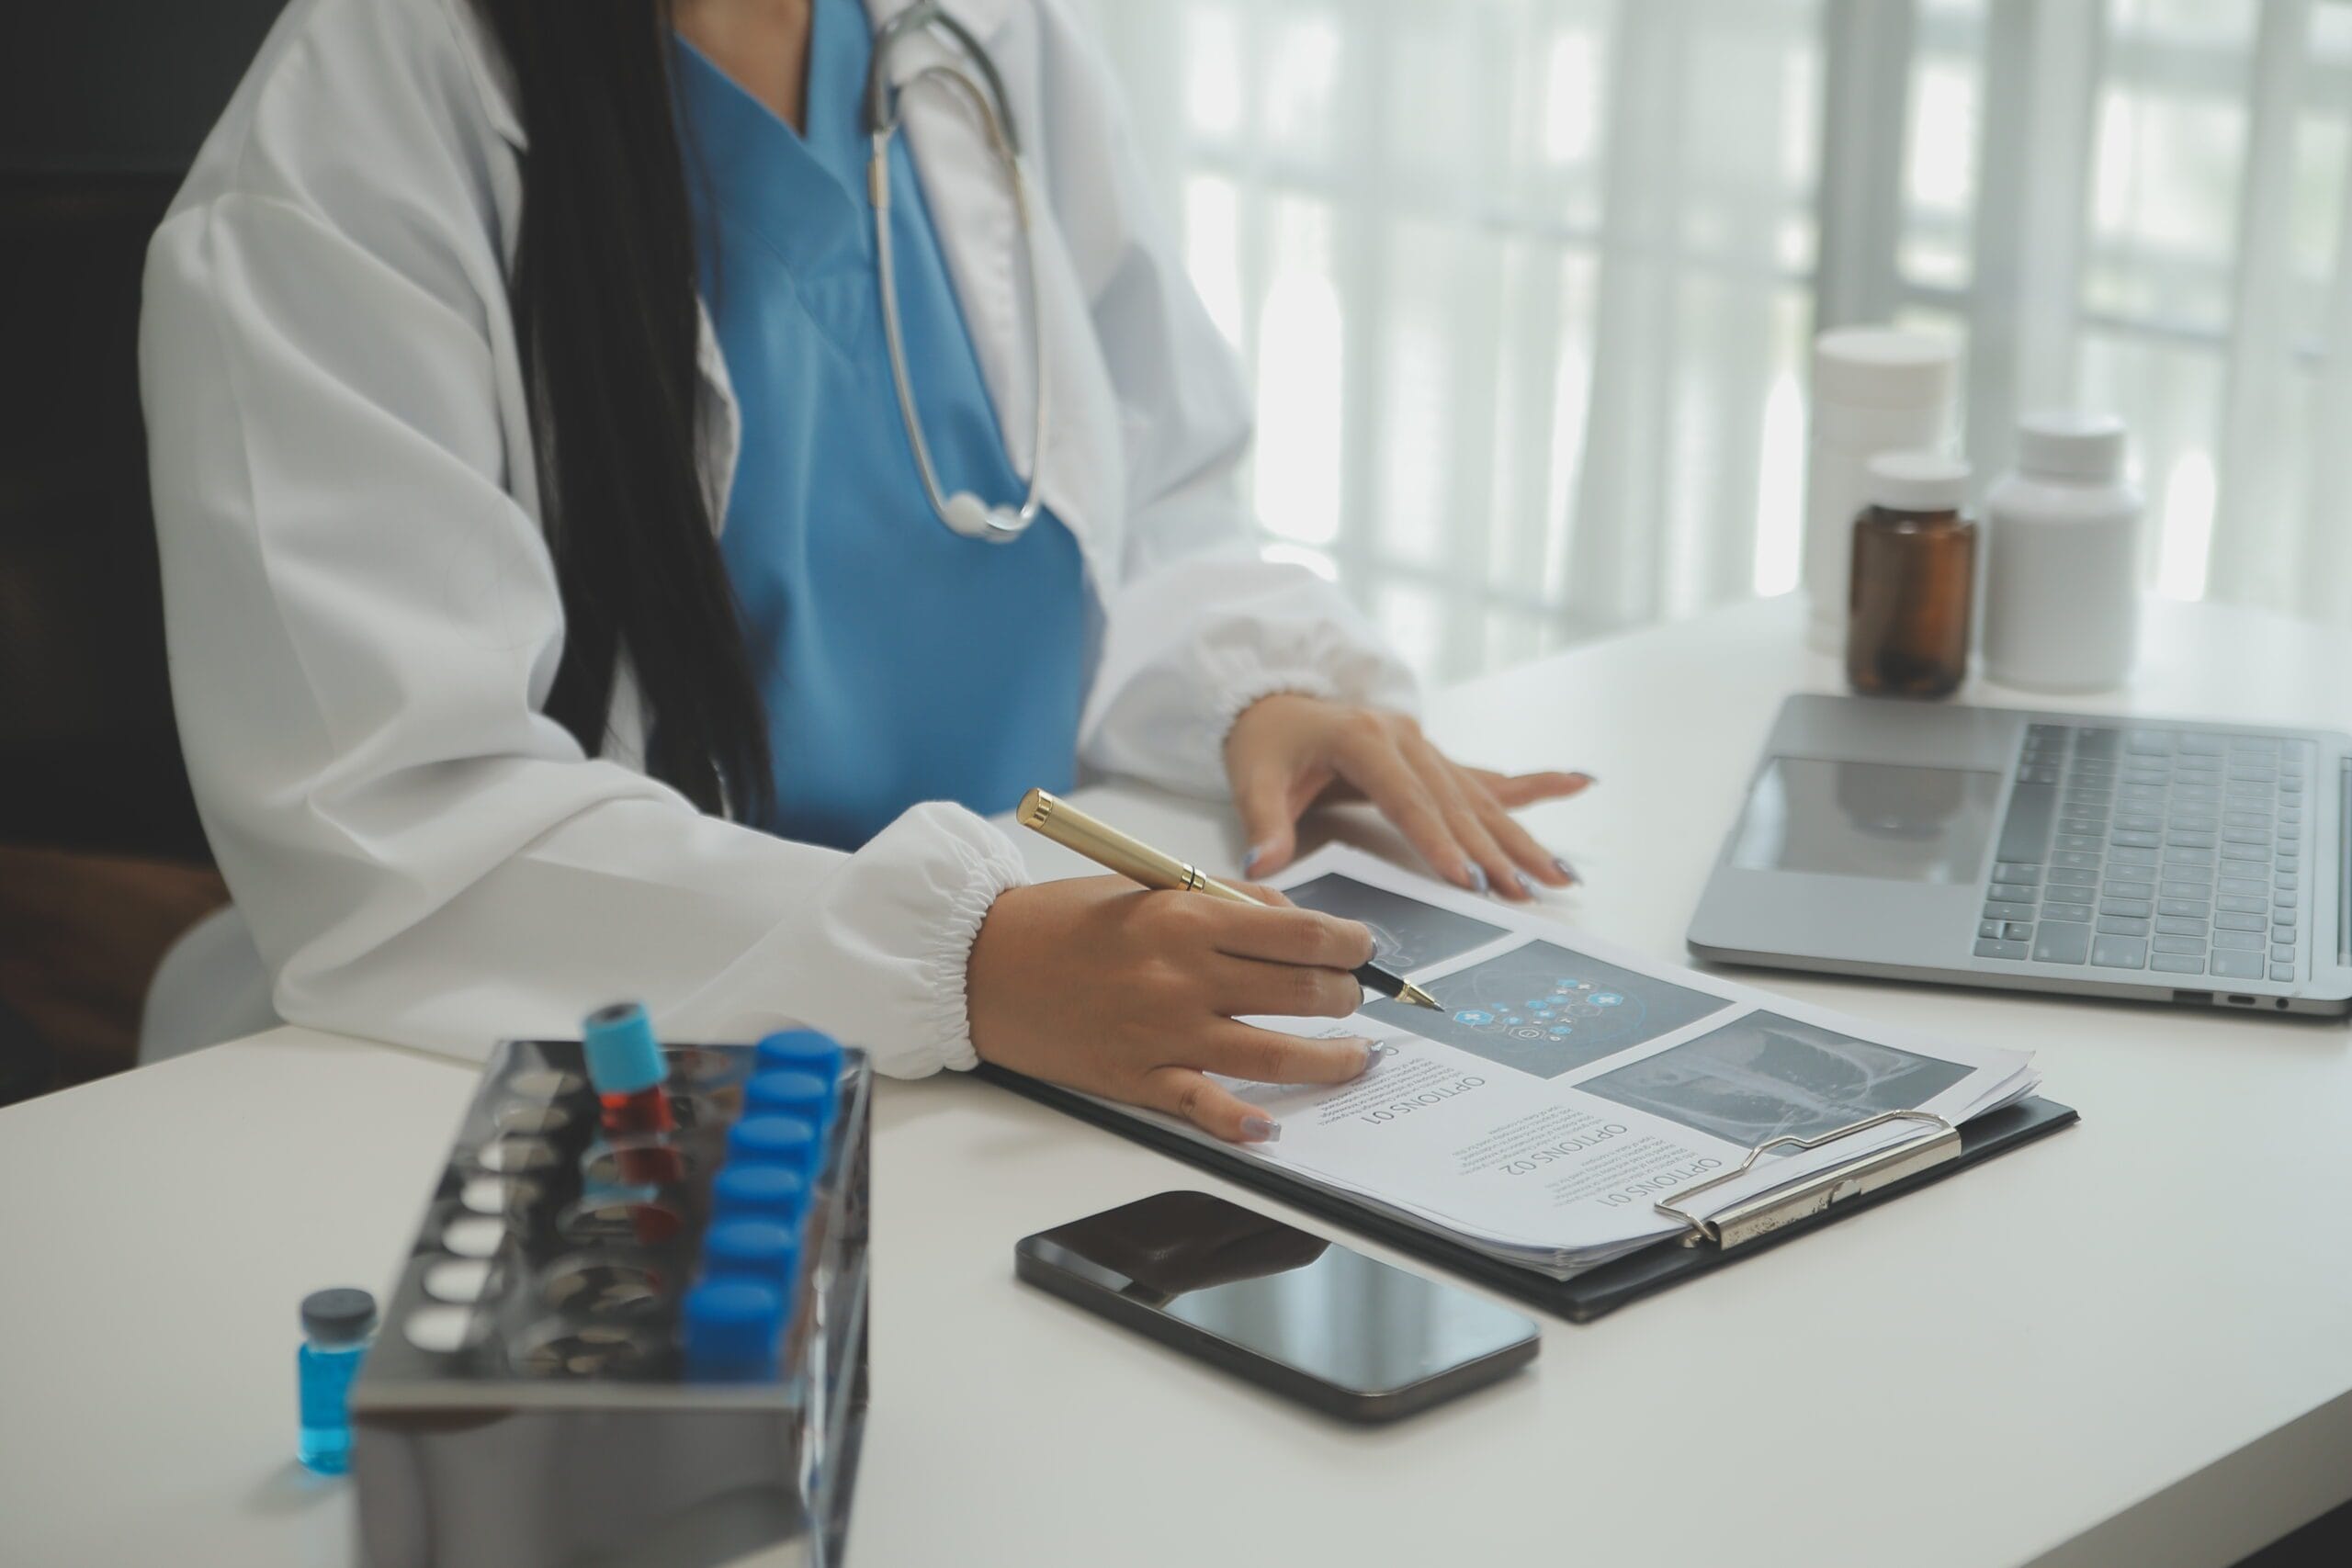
2070 444
1917 481
1882 367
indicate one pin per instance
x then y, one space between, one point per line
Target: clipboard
1936 1150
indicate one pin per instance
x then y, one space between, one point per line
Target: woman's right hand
1101 986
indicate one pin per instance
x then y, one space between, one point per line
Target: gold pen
1107 847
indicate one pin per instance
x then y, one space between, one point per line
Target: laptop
2150 859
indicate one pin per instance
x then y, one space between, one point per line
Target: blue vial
754 1249
760 1191
336 1327
786 1141
785 1093
800 1050
731 1326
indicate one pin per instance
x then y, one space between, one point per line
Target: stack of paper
1568 1087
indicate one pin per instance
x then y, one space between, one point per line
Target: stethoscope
964 513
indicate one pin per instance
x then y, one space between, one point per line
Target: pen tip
1419 997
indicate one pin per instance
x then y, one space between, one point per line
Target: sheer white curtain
1525 285
2141 205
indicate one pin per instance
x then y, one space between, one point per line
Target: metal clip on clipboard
1768 1212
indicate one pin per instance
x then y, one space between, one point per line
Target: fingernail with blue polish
1478 876
1250 861
1571 873
1528 883
1371 1054
1258 1130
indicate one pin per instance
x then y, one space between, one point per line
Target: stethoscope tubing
962 513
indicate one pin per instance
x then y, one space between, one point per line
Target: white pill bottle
1874 390
2062 583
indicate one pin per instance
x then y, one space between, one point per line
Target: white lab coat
363 621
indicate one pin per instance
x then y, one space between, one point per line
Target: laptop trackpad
1892 821
1866 836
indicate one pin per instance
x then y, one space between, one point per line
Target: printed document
1569 1085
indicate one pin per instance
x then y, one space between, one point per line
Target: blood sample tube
800 1050
760 1191
786 1093
756 1249
787 1140
732 1323
625 1064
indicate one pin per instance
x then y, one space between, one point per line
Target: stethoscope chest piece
973 518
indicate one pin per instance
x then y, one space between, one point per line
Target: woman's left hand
1286 751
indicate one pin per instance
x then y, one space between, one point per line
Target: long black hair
603 296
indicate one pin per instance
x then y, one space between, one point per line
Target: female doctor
620 473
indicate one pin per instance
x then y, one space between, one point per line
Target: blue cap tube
773 1140
786 1093
623 1057
800 1050
774 1192
731 1326
757 1249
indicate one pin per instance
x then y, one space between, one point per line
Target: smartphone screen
1269 1301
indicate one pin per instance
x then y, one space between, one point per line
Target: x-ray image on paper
1407 934
1545 1009
1761 1076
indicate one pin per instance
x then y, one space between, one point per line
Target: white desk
2130 1344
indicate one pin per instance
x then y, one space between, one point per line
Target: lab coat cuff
987 864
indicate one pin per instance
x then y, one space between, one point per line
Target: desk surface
2132 1343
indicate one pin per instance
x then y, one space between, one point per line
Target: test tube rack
526 1403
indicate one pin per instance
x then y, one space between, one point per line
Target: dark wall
103 104
120 84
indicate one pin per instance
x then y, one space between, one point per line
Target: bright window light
1299 356
2187 528
1779 522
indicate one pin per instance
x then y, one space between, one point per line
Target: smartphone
1289 1311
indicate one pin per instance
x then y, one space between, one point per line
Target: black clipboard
1589 1294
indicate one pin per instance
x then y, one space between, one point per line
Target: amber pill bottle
1912 587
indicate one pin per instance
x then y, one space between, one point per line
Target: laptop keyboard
2175 852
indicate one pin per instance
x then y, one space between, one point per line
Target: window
1525 285
2150 219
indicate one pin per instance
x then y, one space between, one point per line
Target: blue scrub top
899 662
